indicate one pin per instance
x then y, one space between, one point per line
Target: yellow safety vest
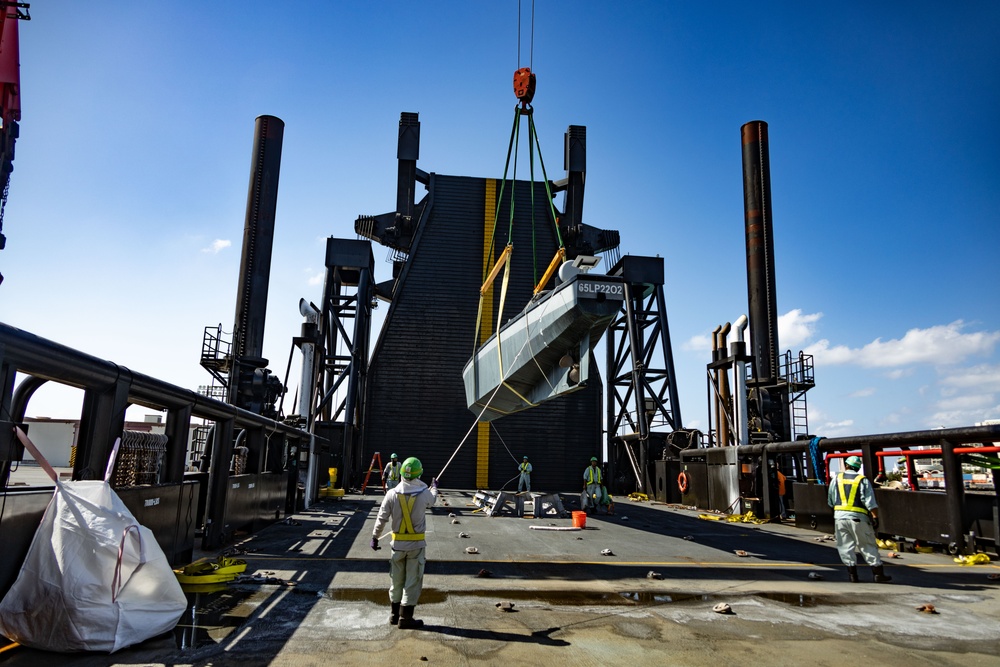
591 472
849 500
524 467
406 531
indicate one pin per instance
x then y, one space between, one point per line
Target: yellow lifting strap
500 263
553 267
406 532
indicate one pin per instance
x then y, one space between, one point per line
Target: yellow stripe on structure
486 327
483 456
489 216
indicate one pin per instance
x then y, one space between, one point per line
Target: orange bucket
579 519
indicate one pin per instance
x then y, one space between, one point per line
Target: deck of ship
320 598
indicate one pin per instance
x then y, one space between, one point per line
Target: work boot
852 573
394 618
406 620
880 576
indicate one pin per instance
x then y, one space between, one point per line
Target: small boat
543 352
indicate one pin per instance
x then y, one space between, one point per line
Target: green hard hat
525 458
593 458
853 462
394 457
412 468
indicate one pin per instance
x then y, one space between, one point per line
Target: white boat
545 351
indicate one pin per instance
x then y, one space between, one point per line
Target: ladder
371 469
800 415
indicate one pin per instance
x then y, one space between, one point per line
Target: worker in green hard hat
403 510
855 519
390 476
592 481
524 470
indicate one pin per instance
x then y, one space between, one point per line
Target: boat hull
544 352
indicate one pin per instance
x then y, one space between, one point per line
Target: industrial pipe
738 351
761 291
724 398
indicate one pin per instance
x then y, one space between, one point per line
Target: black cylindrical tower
763 303
258 237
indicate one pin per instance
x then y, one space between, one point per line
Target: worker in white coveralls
855 519
592 480
525 477
404 506
390 476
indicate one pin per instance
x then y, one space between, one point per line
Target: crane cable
524 90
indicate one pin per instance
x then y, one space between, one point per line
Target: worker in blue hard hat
524 470
593 480
403 510
855 519
390 476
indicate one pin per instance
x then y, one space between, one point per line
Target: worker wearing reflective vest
525 475
403 509
592 480
390 476
855 518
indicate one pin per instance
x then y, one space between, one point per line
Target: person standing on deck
403 510
525 478
853 501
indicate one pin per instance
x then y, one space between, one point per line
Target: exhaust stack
761 288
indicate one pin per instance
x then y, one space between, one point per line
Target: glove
434 482
374 544
874 522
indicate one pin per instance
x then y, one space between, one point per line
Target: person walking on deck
855 519
390 476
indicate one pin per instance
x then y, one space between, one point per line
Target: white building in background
57 438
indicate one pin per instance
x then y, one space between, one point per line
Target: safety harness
849 499
406 530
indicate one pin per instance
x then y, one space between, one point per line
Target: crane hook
524 86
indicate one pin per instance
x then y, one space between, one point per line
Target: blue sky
128 197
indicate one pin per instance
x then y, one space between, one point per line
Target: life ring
682 482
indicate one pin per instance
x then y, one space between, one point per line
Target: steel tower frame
642 384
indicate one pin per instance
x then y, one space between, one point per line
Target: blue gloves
434 482
374 544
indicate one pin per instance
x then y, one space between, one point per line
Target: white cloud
938 345
217 245
836 429
955 418
699 343
862 393
984 378
795 329
974 402
317 279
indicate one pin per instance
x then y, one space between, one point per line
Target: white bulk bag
93 579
